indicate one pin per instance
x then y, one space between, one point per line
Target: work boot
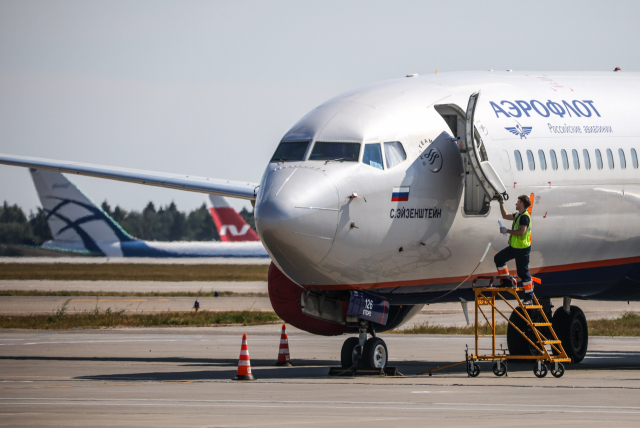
507 283
528 301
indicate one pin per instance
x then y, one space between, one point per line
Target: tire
349 352
473 369
573 331
542 372
557 373
516 343
500 368
375 354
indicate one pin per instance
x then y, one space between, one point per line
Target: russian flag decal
400 194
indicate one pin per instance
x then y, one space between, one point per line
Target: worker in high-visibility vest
519 245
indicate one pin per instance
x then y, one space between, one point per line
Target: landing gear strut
360 352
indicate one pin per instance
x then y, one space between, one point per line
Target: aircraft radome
383 195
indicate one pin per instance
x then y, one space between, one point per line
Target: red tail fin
231 226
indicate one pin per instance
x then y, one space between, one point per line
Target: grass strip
626 325
427 328
78 293
132 272
108 318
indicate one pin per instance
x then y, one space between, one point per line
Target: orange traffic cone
283 354
244 364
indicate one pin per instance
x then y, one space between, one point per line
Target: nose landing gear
360 352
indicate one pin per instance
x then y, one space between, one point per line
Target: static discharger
283 353
244 363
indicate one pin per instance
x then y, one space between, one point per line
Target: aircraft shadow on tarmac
186 362
309 368
183 376
305 369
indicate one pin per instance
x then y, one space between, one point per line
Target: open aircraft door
481 182
487 177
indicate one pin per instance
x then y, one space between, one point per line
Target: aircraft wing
213 186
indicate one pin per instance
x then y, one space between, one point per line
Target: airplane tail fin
231 226
76 222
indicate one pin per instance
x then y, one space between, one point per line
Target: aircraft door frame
489 180
478 191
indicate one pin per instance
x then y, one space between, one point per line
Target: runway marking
94 385
119 300
336 405
234 338
231 338
95 341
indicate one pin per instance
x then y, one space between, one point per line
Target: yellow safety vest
522 241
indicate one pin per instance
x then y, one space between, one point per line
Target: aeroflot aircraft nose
297 215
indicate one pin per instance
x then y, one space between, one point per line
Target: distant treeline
16 228
162 224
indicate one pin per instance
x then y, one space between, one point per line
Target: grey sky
208 88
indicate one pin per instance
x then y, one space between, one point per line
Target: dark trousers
522 260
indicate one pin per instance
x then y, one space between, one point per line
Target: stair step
532 307
542 324
551 342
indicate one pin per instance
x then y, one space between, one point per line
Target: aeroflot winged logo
400 194
521 131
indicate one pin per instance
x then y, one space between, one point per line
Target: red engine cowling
285 299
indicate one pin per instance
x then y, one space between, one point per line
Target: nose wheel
350 356
373 355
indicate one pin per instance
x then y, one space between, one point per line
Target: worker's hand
503 230
500 199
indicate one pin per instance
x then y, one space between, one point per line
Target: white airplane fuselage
333 224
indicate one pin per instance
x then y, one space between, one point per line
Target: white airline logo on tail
232 229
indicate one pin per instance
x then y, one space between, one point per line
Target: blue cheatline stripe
142 249
614 283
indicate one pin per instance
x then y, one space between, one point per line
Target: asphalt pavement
182 377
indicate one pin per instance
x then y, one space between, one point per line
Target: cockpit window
323 151
290 152
394 152
372 155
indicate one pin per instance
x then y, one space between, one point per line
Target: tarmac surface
182 377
